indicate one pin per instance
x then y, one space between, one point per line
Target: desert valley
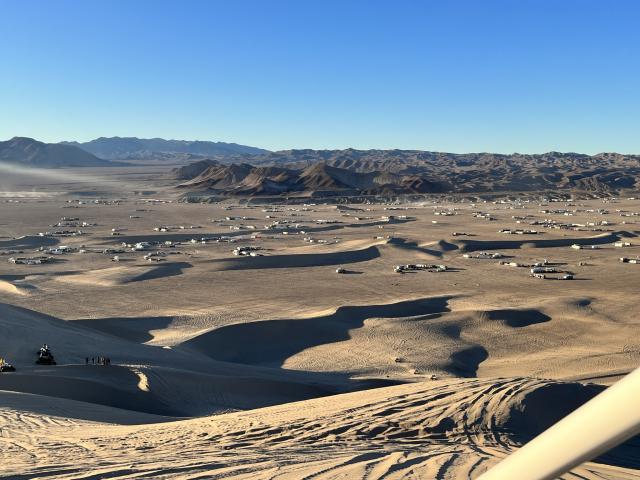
237 313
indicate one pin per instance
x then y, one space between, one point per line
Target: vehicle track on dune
443 429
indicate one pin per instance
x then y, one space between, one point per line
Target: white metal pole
605 421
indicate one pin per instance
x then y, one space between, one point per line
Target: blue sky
460 76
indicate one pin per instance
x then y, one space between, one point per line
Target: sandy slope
299 260
147 378
445 335
439 430
16 288
108 277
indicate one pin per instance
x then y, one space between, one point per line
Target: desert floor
276 366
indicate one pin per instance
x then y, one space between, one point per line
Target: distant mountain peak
133 148
33 153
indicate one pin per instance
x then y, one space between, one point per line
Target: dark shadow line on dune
293 385
298 260
29 242
518 318
474 245
548 404
134 329
163 271
405 245
91 391
465 362
272 342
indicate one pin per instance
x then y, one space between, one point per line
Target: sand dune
16 287
418 338
63 411
122 275
432 249
474 245
297 260
159 390
136 329
113 387
29 242
179 382
271 342
440 430
162 330
343 246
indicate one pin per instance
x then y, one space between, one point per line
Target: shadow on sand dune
135 329
114 276
339 226
271 342
403 244
298 260
475 245
518 318
161 271
62 382
146 378
61 406
465 363
29 241
543 407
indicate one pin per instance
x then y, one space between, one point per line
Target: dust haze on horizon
330 146
12 176
435 147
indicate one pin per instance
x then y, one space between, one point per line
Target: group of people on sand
97 360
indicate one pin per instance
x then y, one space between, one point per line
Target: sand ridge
121 275
16 287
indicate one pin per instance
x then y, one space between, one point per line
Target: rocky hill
318 179
192 170
476 172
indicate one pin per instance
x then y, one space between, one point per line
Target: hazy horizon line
419 149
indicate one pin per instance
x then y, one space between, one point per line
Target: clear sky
460 76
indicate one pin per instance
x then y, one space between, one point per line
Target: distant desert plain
398 336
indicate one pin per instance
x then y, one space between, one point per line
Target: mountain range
132 148
231 169
479 172
115 152
409 171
